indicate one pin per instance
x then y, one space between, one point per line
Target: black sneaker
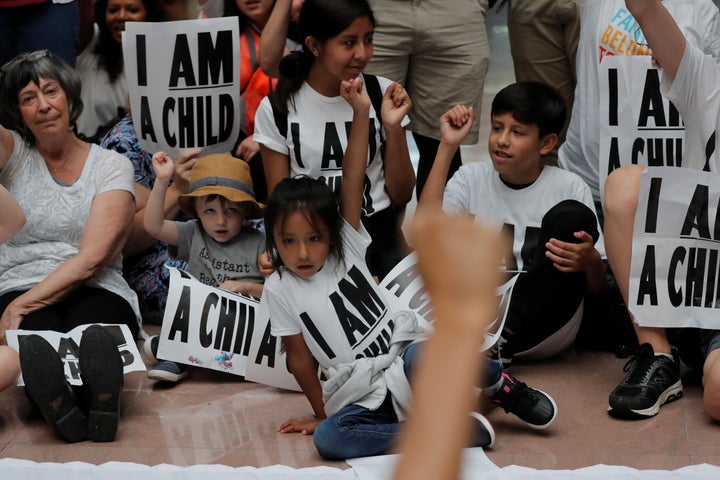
483 434
651 381
45 384
532 406
101 369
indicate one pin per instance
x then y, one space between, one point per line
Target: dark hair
30 67
311 197
323 20
532 103
109 51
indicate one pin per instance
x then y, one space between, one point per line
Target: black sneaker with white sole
651 381
534 407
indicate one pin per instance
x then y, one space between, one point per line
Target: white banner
68 346
407 291
675 270
637 124
184 83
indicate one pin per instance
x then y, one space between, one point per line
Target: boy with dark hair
547 212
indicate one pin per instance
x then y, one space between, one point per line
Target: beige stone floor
216 418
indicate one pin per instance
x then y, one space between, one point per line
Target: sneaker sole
44 377
669 395
482 442
163 376
102 373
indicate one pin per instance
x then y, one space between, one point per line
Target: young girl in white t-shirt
303 127
326 307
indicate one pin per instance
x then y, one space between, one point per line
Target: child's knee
711 384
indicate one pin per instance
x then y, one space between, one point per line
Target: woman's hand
306 426
353 93
396 104
10 320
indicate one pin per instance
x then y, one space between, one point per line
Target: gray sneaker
167 371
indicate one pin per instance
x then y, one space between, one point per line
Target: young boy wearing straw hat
219 250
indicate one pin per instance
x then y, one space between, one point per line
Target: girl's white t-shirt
341 311
317 136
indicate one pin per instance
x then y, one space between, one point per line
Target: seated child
547 212
327 309
219 249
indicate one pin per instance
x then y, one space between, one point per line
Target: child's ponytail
294 69
322 20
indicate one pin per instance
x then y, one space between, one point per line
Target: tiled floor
216 418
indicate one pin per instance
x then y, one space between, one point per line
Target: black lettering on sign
141 54
677 258
182 66
168 107
697 217
651 214
403 280
227 315
204 335
613 155
245 328
694 278
215 57
647 286
146 123
267 348
612 97
651 105
181 319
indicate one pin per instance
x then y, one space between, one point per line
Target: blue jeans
354 431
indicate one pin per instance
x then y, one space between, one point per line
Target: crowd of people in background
90 222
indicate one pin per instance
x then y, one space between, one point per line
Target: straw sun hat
224 175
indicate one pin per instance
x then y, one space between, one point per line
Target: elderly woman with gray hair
63 269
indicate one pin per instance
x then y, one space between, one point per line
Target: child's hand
353 93
163 166
247 149
265 265
573 257
396 104
460 265
246 288
455 124
306 426
183 167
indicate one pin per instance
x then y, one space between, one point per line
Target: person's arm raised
661 32
454 127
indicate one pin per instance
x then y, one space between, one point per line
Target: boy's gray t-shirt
211 262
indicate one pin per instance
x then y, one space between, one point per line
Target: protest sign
68 346
207 326
675 272
184 84
638 125
212 328
406 286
